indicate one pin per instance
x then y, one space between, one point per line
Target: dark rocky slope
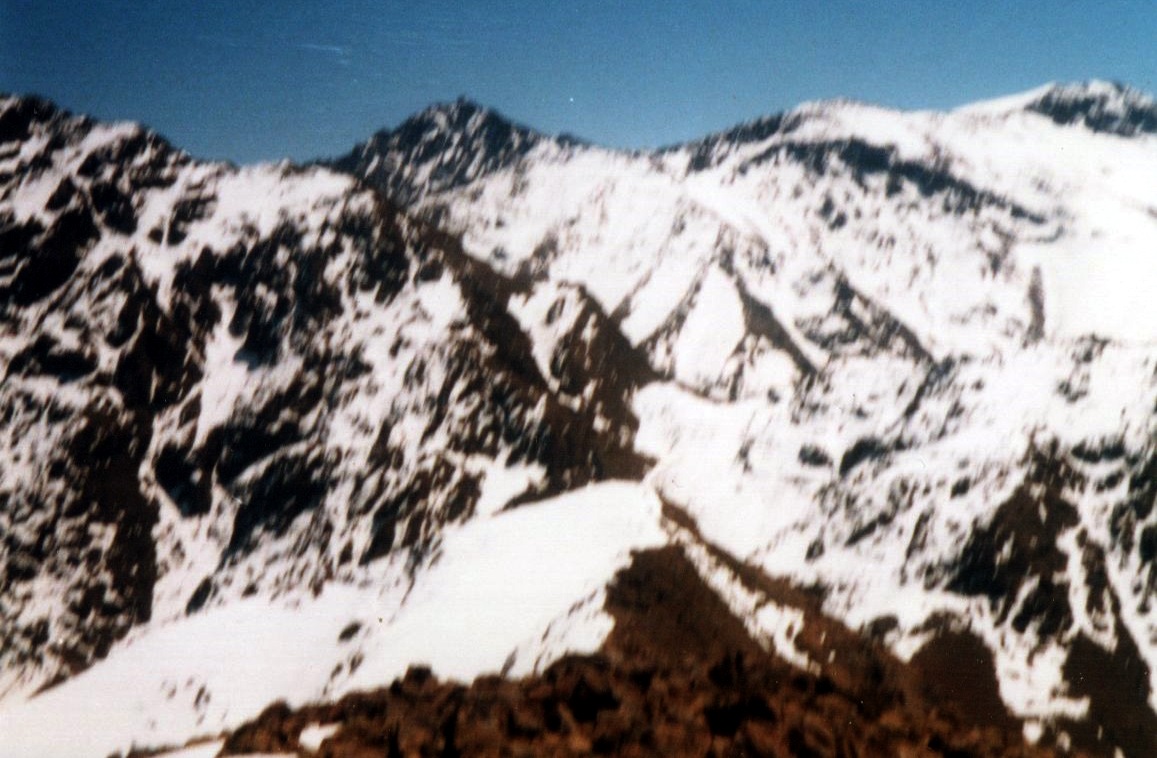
679 676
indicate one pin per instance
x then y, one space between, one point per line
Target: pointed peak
444 145
464 117
470 119
461 109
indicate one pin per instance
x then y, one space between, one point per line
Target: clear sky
249 81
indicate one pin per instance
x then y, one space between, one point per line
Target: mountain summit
1101 106
1096 105
445 146
873 392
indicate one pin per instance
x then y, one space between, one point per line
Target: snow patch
513 581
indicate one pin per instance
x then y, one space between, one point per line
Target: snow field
500 589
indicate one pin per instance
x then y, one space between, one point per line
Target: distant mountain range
873 393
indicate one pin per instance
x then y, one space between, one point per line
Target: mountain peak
1099 105
442 146
462 114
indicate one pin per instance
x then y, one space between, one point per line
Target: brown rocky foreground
678 676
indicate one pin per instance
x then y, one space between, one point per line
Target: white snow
505 584
712 331
501 484
636 235
314 734
225 375
261 196
1007 104
498 583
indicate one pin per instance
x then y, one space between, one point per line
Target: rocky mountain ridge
206 363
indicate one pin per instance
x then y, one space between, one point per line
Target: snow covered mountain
278 432
222 383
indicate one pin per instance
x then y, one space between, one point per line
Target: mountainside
279 433
221 383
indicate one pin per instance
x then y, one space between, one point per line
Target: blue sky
261 80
